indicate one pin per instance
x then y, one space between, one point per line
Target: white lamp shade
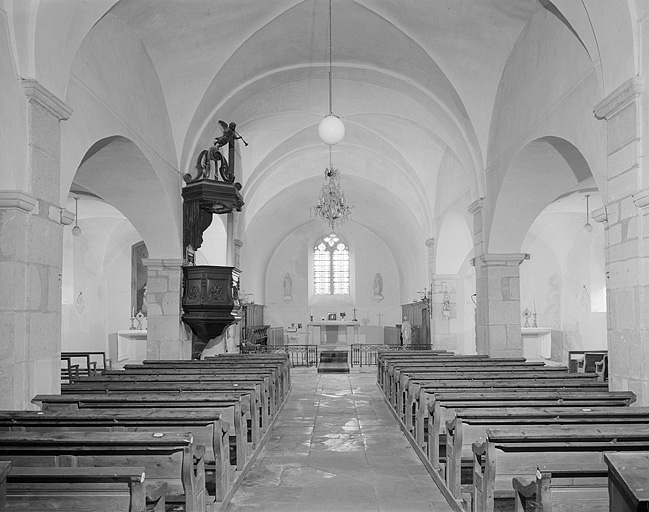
331 130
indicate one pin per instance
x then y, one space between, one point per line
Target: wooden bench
109 489
280 369
418 403
258 413
5 466
516 452
412 394
268 391
208 430
231 407
406 379
583 361
470 425
563 487
444 406
278 392
412 401
386 363
628 474
386 370
79 364
166 456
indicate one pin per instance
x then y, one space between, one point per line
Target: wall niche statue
378 287
288 288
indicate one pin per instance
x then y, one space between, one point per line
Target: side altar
332 333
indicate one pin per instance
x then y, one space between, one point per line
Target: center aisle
337 448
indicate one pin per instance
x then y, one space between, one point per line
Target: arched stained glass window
331 266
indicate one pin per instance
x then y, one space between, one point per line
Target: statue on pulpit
406 331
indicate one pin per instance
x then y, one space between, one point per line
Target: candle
311 311
132 312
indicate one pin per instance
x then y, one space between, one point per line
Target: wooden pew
109 489
207 429
258 413
279 369
407 379
229 372
418 403
386 373
412 401
231 407
5 466
516 452
166 456
443 408
411 393
470 425
563 487
268 392
387 362
628 475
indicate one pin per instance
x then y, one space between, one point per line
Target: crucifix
379 315
354 310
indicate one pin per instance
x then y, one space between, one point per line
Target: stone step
333 368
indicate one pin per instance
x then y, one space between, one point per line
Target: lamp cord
330 64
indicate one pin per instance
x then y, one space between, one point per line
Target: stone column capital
238 243
641 198
501 260
600 215
36 92
430 242
476 206
619 98
17 200
67 217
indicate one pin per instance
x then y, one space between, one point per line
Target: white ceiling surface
411 80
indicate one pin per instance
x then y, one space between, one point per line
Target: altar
332 333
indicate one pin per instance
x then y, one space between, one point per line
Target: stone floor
336 447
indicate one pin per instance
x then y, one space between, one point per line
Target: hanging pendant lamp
76 230
331 129
588 226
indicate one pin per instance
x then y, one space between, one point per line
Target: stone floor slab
336 447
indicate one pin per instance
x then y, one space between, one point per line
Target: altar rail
299 355
368 354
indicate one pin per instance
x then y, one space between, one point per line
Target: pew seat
169 457
102 489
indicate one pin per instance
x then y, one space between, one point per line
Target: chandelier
332 208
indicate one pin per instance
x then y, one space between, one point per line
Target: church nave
337 447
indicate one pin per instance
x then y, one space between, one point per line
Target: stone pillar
627 236
430 243
475 209
444 311
498 322
238 244
31 254
167 335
